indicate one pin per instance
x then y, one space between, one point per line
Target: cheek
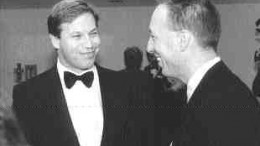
96 41
68 45
158 47
69 50
163 49
167 60
167 56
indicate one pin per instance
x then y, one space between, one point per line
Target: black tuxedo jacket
256 85
221 112
42 112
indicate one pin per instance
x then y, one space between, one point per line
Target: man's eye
152 37
76 36
93 33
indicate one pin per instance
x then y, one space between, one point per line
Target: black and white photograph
129 73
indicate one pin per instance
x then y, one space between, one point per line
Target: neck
74 70
196 60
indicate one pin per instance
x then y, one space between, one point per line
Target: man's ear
55 41
185 38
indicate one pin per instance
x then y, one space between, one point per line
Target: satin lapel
102 78
113 99
198 97
61 121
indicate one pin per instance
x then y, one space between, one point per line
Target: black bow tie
86 78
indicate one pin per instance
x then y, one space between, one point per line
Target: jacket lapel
198 97
113 100
60 122
103 90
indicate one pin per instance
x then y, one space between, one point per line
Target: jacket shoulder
37 84
221 84
38 80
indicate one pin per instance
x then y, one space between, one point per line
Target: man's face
79 43
163 42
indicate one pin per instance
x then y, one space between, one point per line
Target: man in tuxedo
76 103
220 110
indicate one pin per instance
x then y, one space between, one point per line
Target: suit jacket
221 112
42 112
256 85
138 87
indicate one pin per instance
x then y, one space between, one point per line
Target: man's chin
87 66
165 73
169 74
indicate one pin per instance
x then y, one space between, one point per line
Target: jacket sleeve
24 112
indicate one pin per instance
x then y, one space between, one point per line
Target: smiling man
76 103
221 110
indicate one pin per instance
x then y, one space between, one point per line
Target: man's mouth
155 57
89 51
88 54
158 58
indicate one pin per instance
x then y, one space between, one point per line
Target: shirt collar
198 75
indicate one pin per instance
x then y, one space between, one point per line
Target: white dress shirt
198 75
85 108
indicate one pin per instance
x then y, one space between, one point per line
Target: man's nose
87 41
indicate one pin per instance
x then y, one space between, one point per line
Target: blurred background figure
133 58
139 91
10 132
135 78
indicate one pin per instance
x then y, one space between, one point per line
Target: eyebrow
93 30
